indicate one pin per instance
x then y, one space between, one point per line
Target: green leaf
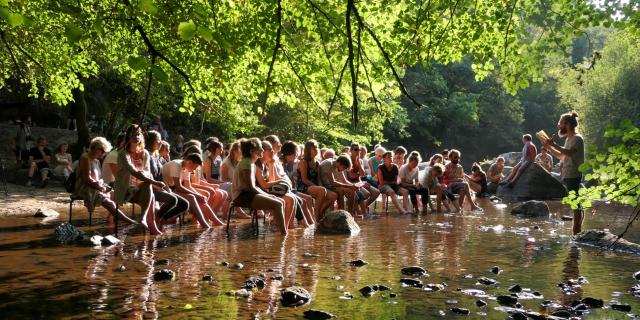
159 74
205 33
137 63
16 19
148 6
4 3
73 33
187 30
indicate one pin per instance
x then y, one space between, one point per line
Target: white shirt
111 158
173 169
407 175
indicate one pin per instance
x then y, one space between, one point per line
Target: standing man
571 156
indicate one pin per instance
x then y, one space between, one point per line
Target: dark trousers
172 204
422 191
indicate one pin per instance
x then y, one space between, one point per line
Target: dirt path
24 200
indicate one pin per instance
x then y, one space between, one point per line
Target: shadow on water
43 279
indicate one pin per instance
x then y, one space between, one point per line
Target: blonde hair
100 143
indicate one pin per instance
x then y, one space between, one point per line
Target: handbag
279 189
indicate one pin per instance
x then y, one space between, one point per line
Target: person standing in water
571 156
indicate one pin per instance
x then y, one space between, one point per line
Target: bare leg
289 208
276 206
307 207
405 199
328 202
145 199
195 210
394 200
318 193
374 195
111 207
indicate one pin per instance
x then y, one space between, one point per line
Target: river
42 279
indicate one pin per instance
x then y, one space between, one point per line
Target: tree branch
324 44
403 89
146 96
335 94
418 24
32 59
453 13
352 71
328 18
154 52
13 57
304 86
373 94
506 36
274 55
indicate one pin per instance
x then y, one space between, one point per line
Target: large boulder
532 208
294 296
534 183
338 222
510 158
606 240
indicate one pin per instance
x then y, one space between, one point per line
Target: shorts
42 166
457 187
330 187
359 196
244 199
390 187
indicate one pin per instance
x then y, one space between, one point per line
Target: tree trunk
81 123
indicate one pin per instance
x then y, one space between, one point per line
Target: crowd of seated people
294 184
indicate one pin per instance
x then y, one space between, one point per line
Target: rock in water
317 315
164 274
621 307
487 281
358 263
496 270
411 282
593 302
95 240
515 288
534 183
606 240
40 214
294 296
338 222
415 271
67 232
110 240
207 277
532 208
481 303
635 290
254 282
462 311
368 291
507 300
637 275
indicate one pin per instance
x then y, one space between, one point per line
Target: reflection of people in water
571 270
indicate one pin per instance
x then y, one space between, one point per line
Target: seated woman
177 175
373 164
477 180
245 193
269 181
172 204
89 185
62 161
211 164
409 180
358 173
308 171
454 179
388 182
164 151
216 197
134 182
304 202
432 182
544 159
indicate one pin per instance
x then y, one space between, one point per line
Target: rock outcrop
535 183
338 222
532 208
606 240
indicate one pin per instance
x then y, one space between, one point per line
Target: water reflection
41 279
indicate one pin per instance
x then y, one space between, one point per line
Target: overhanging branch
274 55
354 80
403 89
13 57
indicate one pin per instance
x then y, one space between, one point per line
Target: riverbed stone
109 240
462 311
368 291
487 281
66 232
635 290
515 288
415 271
294 296
238 266
535 183
164 274
507 300
338 222
621 307
637 275
207 277
495 270
606 240
593 302
434 286
481 303
532 208
317 315
411 282
358 263
254 282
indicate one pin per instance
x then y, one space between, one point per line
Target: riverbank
25 201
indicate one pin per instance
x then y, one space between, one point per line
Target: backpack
70 182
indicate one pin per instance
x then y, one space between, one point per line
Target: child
529 152
477 179
432 182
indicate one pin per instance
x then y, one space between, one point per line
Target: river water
42 279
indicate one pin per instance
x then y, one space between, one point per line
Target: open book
542 136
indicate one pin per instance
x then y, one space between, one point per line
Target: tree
235 60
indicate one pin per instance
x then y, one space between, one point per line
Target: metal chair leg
70 209
229 217
116 220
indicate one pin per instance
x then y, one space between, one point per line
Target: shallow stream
42 279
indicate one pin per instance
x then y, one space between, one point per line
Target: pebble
481 303
462 311
496 270
451 301
238 266
566 218
393 295
207 277
515 288
277 277
507 300
358 263
317 315
637 275
411 282
414 271
487 281
593 302
164 274
309 255
225 263
621 307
